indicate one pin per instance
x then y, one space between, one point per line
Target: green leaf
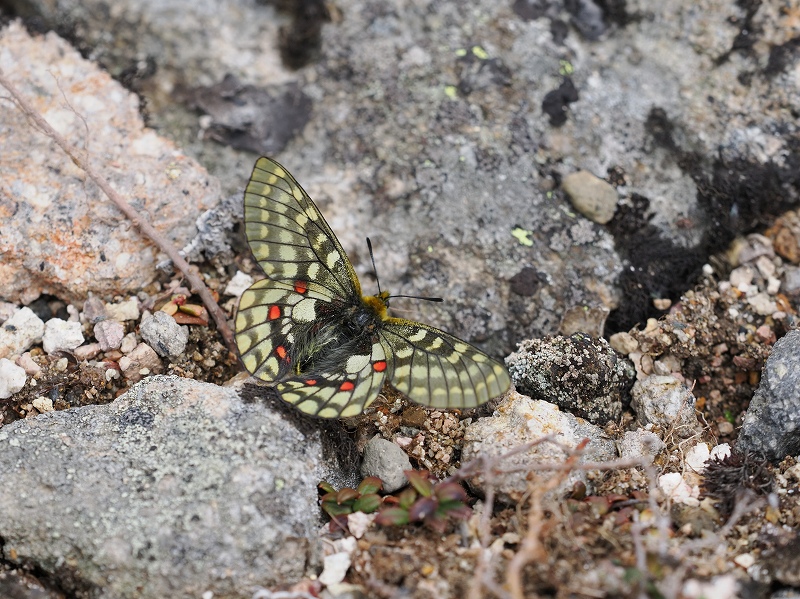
326 486
367 503
345 495
423 508
454 509
371 484
333 509
450 492
392 516
406 498
419 479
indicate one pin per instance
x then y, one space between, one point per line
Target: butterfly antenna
374 268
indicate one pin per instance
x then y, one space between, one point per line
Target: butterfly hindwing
264 324
289 237
339 394
439 370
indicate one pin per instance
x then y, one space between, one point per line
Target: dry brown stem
82 162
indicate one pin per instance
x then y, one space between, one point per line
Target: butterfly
324 346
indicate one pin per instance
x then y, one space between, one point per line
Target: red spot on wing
311 382
379 366
274 312
281 351
346 386
300 286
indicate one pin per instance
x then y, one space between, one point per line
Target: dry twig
198 286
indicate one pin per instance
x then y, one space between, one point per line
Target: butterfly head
379 303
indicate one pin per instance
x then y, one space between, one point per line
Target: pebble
624 343
591 196
128 344
741 278
725 428
640 443
60 335
94 310
387 461
665 402
164 335
762 304
126 310
141 361
109 334
7 310
791 279
238 284
20 332
697 457
674 487
43 404
25 361
86 352
12 378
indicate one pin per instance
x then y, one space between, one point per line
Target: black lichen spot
478 73
587 17
103 257
660 128
782 56
136 417
526 282
530 10
657 268
300 43
256 119
748 31
555 102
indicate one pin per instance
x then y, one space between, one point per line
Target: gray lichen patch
577 373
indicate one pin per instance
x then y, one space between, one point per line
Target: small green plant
363 498
427 501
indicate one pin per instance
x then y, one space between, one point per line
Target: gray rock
591 196
578 373
176 489
386 460
640 443
20 332
519 419
667 403
771 426
164 335
61 335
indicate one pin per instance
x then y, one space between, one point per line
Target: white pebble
238 284
20 332
43 404
61 335
12 378
122 311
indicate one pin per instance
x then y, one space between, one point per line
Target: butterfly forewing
438 370
289 236
307 329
